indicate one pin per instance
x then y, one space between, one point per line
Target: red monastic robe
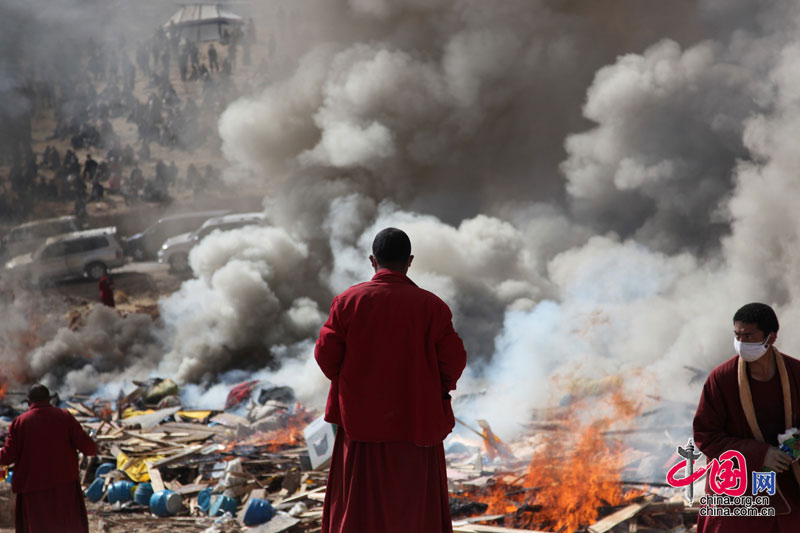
720 425
42 444
392 356
106 291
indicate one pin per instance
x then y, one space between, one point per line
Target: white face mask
750 351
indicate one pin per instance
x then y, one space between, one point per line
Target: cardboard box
319 438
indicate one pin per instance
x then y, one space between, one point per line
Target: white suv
175 250
89 253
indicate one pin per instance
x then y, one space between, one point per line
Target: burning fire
106 412
575 471
3 389
286 437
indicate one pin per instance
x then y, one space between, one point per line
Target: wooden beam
626 513
155 477
478 528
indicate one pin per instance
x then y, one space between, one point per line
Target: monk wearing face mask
747 402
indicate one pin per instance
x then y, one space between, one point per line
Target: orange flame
498 499
106 412
3 389
575 471
279 439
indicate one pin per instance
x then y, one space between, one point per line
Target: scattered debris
249 468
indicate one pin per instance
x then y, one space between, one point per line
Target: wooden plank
154 440
81 409
482 518
151 419
188 426
186 453
626 513
155 477
193 488
279 522
478 528
301 495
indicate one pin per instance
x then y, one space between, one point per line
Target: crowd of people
86 102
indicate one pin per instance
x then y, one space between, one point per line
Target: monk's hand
777 460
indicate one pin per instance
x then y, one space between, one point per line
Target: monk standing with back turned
392 356
42 445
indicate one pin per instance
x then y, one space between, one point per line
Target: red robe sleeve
451 354
80 440
330 347
719 424
10 452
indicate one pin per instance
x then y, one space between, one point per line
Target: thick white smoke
616 242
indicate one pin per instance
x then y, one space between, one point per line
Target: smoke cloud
589 202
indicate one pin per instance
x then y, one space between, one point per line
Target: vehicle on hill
175 251
145 245
90 253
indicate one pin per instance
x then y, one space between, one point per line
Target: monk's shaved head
391 246
38 393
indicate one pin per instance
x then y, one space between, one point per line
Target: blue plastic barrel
204 500
104 469
223 503
258 511
95 491
121 491
142 493
165 503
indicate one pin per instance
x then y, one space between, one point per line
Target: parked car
145 245
89 253
175 251
28 237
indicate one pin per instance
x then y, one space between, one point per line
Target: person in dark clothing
106 286
42 445
392 355
212 58
89 167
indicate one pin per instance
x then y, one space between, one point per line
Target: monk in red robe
392 356
106 286
42 444
746 403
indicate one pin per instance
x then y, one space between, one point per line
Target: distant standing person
42 444
212 58
106 286
392 356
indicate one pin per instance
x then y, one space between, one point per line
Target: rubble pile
261 464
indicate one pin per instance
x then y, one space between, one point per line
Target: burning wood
574 477
570 481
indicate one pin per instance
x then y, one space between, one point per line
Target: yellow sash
746 397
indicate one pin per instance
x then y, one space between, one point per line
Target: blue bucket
121 491
9 476
95 491
143 493
204 500
165 503
223 503
104 469
258 511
